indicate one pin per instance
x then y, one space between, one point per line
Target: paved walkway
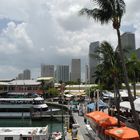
81 131
83 134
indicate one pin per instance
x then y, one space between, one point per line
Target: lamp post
62 94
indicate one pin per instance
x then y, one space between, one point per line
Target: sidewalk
69 136
82 132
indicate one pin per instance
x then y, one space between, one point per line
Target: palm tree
110 72
113 10
133 66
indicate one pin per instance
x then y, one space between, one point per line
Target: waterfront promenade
83 133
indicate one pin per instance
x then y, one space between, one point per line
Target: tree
53 92
108 68
113 10
133 66
109 71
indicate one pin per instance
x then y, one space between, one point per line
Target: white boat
21 105
24 133
56 136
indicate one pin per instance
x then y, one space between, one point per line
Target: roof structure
4 83
28 131
24 82
75 92
45 78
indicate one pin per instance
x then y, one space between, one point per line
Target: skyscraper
47 70
20 76
128 42
62 73
93 61
76 70
86 74
27 74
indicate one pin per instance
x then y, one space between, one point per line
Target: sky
35 32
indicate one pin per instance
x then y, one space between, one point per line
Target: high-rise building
86 74
47 70
93 61
20 76
27 74
138 53
128 43
62 73
76 70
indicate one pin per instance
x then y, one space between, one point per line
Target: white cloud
52 32
14 39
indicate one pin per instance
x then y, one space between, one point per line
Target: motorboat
56 136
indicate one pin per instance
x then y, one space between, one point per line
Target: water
53 124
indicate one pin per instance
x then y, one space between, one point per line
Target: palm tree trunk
127 83
134 86
117 101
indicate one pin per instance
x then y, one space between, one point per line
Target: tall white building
62 73
76 70
47 70
27 74
93 61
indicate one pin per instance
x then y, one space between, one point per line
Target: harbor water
53 124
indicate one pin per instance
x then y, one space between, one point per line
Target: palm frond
99 15
106 11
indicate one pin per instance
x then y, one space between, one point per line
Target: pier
49 116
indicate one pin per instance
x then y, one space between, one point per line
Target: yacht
21 105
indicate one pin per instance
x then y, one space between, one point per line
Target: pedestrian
74 133
85 120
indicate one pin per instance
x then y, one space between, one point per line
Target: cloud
14 39
52 32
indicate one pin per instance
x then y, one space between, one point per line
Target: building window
8 138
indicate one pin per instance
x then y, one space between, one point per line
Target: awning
126 104
75 92
91 106
68 95
123 133
100 103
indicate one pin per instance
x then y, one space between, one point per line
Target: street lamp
62 94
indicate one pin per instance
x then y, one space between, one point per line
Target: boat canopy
123 133
103 119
